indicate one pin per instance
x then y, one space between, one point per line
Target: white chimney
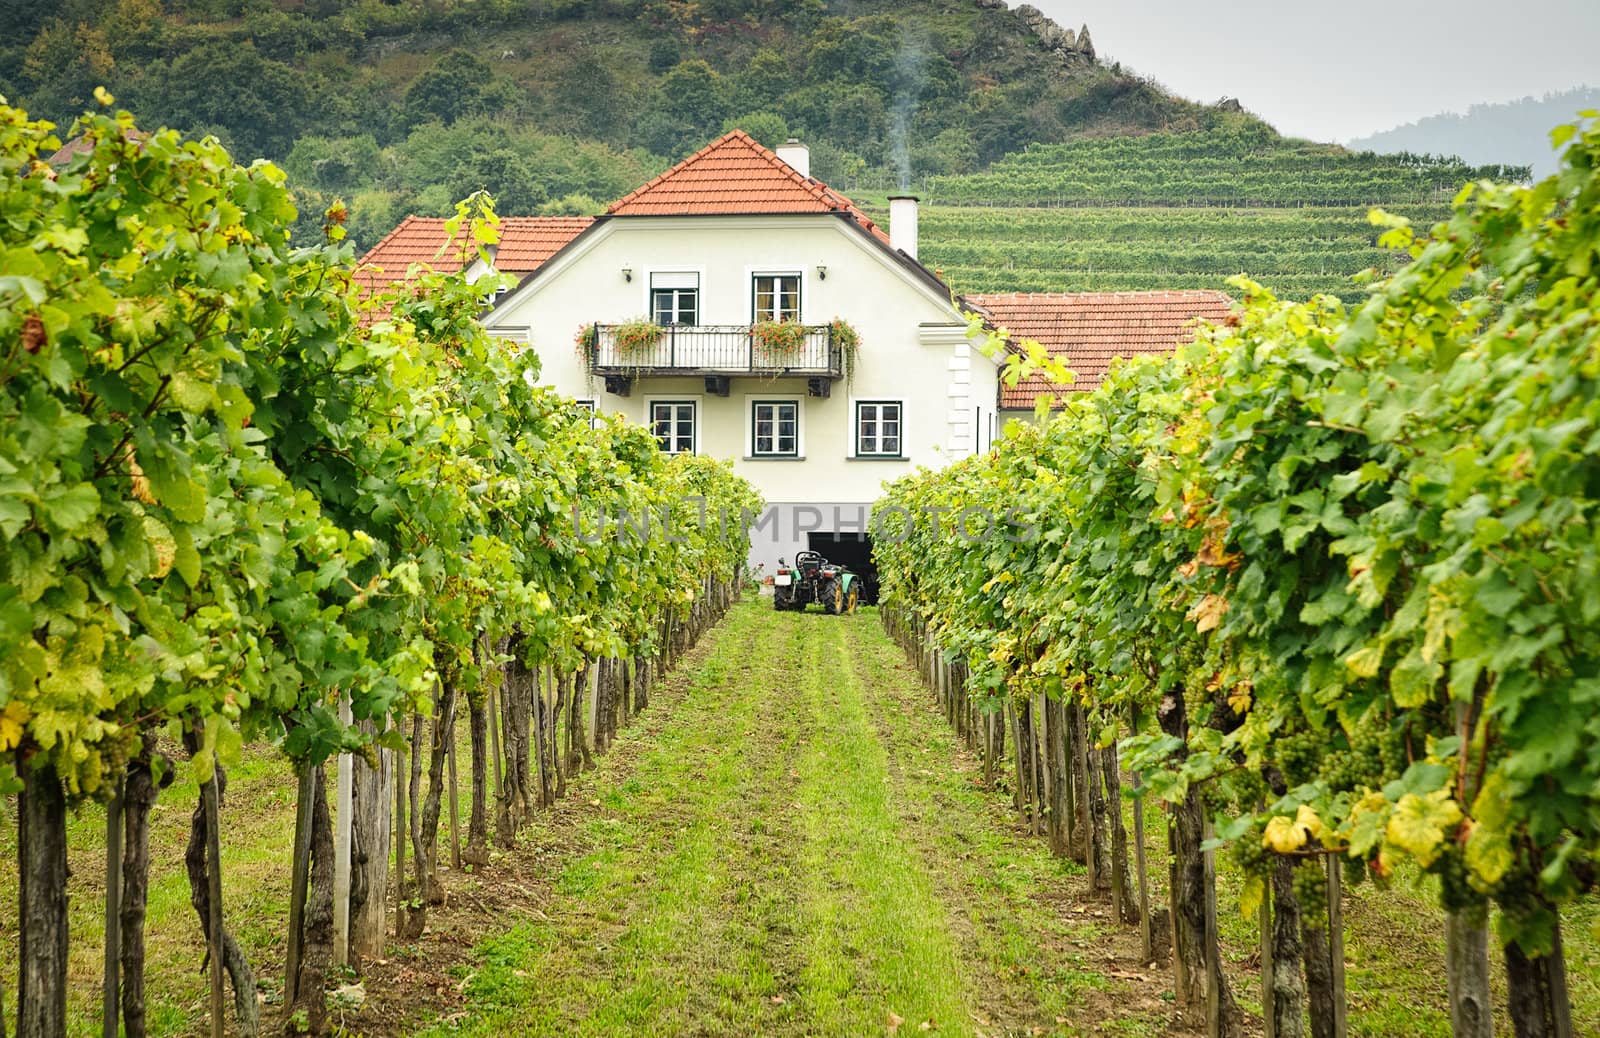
797 155
903 223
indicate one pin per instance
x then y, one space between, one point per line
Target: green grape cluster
1455 891
1298 756
1248 787
1311 890
1376 754
1248 855
1396 755
1355 872
1340 770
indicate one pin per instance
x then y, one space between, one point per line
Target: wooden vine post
1147 948
1269 1018
299 877
212 797
372 829
455 800
343 845
1216 1018
111 985
1336 944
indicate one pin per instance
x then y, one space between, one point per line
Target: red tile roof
82 145
1087 329
525 243
734 174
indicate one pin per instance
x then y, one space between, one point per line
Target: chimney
903 223
797 155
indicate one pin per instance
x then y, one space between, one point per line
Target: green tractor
813 578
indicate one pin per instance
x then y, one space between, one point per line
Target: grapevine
1344 544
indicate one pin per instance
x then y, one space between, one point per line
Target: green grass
257 833
790 841
800 848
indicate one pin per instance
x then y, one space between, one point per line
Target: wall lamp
822 273
627 273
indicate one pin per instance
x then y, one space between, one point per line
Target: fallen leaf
894 1022
777 1000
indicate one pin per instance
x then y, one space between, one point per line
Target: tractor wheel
832 595
851 600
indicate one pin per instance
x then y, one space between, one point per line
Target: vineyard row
244 503
1324 583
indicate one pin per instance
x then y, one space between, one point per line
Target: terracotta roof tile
82 145
1087 330
525 243
734 175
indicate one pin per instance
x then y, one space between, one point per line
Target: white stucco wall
913 343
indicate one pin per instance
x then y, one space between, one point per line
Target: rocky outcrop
1074 50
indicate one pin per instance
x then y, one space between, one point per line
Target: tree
452 88
333 163
572 205
502 174
693 94
262 102
950 151
766 127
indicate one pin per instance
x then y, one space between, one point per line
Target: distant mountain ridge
1504 132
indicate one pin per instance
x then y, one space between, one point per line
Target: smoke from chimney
909 62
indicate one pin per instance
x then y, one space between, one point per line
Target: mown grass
798 849
257 835
790 842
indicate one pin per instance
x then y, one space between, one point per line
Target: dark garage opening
853 550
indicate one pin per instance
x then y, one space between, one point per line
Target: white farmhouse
731 239
666 309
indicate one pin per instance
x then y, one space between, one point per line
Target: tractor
813 578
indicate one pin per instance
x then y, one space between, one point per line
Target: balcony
716 352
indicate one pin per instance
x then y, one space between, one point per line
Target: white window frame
799 292
592 406
754 400
699 275
855 428
694 402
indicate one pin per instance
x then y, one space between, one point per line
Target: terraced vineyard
1178 211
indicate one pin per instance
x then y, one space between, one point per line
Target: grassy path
798 847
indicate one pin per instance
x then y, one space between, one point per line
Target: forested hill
405 106
1042 165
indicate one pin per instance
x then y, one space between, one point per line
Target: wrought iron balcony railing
694 349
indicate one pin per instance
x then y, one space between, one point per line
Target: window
672 421
878 428
777 297
675 298
589 406
775 429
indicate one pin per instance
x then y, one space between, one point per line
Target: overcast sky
1336 71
